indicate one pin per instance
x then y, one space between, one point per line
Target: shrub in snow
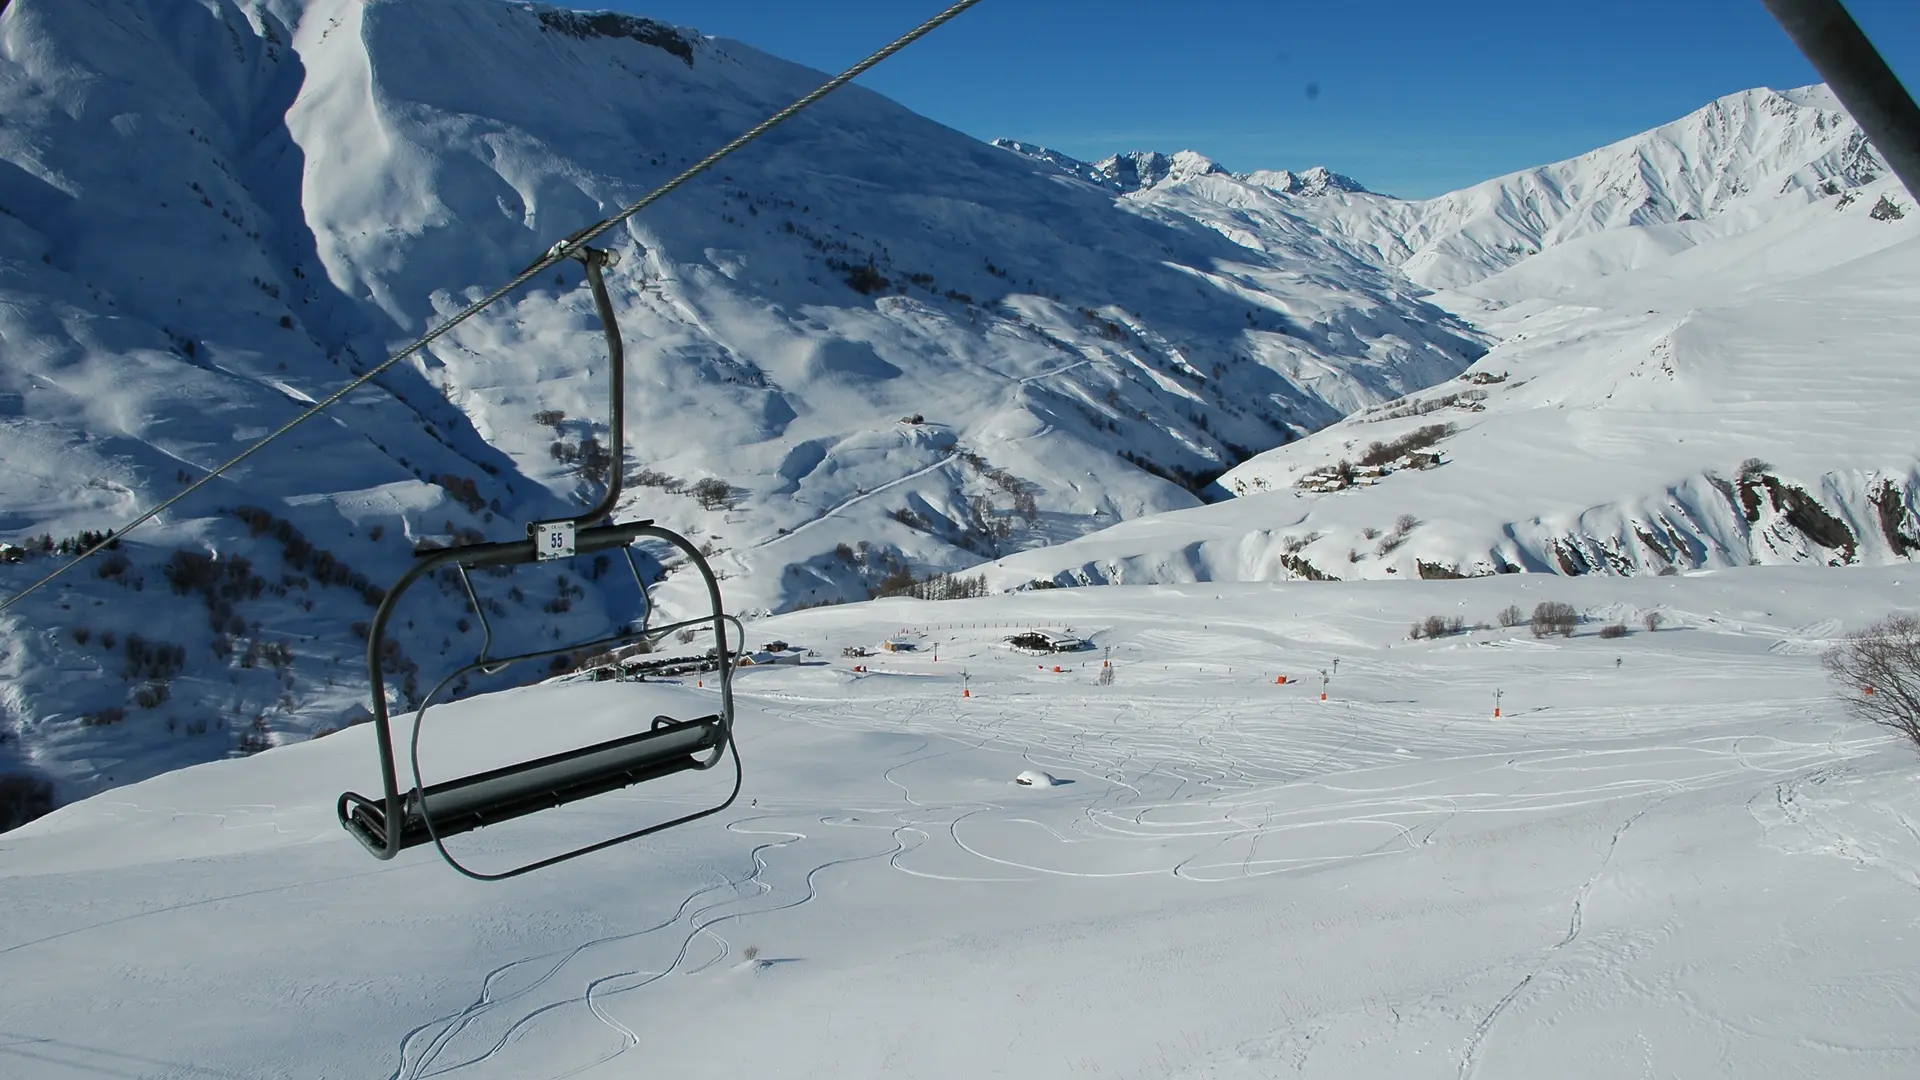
1386 453
1511 615
866 279
1753 467
1886 210
104 718
1878 672
713 493
23 798
1651 620
1616 630
1553 617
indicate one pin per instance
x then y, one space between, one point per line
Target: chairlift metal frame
423 813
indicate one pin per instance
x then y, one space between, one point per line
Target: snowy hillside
901 350
1671 855
1745 150
1725 168
1747 399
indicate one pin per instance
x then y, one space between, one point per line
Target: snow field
1684 863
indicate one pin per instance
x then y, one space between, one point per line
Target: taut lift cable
562 250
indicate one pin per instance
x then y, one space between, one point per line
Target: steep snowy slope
213 213
1727 167
1746 148
1747 400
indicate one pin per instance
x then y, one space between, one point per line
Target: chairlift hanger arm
595 260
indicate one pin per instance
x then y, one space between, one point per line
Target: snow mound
1036 778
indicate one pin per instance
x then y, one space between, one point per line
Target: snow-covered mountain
1746 399
1140 170
901 350
1728 167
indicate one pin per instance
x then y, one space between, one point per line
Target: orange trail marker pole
1496 703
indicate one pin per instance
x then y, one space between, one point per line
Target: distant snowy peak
1314 181
1141 170
1759 142
1125 173
1072 166
1745 151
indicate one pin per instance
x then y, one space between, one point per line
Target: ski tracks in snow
434 1038
1477 1039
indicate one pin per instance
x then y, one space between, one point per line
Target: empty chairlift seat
462 805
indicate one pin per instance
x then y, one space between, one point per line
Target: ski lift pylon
423 814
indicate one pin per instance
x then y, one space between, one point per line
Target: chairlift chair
423 813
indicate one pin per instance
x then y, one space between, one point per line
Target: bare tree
1553 617
713 493
23 798
1877 671
1652 621
1511 615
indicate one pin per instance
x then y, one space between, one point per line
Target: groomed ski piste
1671 854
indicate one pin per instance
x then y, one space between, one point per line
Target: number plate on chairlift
553 540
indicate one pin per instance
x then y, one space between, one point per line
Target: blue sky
1410 97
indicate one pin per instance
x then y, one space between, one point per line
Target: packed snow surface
1671 855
